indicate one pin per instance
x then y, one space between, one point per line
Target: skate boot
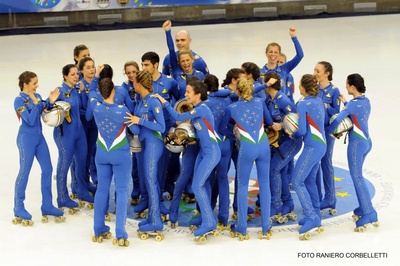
326 204
135 197
141 210
164 212
236 233
195 223
287 211
356 214
310 226
201 233
222 223
22 217
105 235
265 234
56 213
370 218
173 218
147 230
276 215
250 214
68 203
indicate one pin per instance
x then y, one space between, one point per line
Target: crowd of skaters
119 132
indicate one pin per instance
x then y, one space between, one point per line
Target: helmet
134 143
66 107
183 106
185 133
273 136
53 117
170 143
291 122
344 125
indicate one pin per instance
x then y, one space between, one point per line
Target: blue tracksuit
218 106
209 155
330 97
177 72
152 126
71 142
250 117
279 106
284 69
113 160
360 145
311 130
31 143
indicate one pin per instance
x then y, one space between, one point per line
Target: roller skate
164 212
250 214
108 217
122 242
73 196
276 215
356 214
147 230
135 201
56 213
241 235
303 220
169 196
326 205
195 223
370 218
265 235
86 202
201 233
287 213
173 219
223 226
23 217
310 226
135 197
70 204
189 198
141 210
106 235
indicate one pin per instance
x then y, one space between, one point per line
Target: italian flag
118 142
213 136
246 136
315 131
357 129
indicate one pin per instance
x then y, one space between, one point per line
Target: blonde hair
245 87
145 78
185 51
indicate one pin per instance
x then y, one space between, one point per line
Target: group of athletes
178 131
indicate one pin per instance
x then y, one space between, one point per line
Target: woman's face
186 63
130 72
273 54
191 96
320 73
73 77
82 54
30 88
88 70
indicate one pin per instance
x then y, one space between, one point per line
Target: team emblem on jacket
197 126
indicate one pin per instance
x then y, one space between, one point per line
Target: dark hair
25 78
310 84
199 88
66 69
327 68
107 72
145 78
233 73
212 82
357 81
152 57
277 84
78 49
83 62
105 87
251 68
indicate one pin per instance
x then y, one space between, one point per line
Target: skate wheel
16 221
258 210
247 236
100 239
114 241
108 217
144 236
333 211
321 230
89 206
142 215
355 217
216 233
45 219
307 236
360 229
94 239
81 204
281 219
321 212
376 224
202 239
293 217
107 235
169 197
234 216
195 212
159 238
126 243
241 237
232 234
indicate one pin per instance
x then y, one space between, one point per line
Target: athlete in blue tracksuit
149 116
31 143
329 94
218 105
70 142
360 144
167 87
209 155
311 130
280 105
183 69
273 51
113 159
250 114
